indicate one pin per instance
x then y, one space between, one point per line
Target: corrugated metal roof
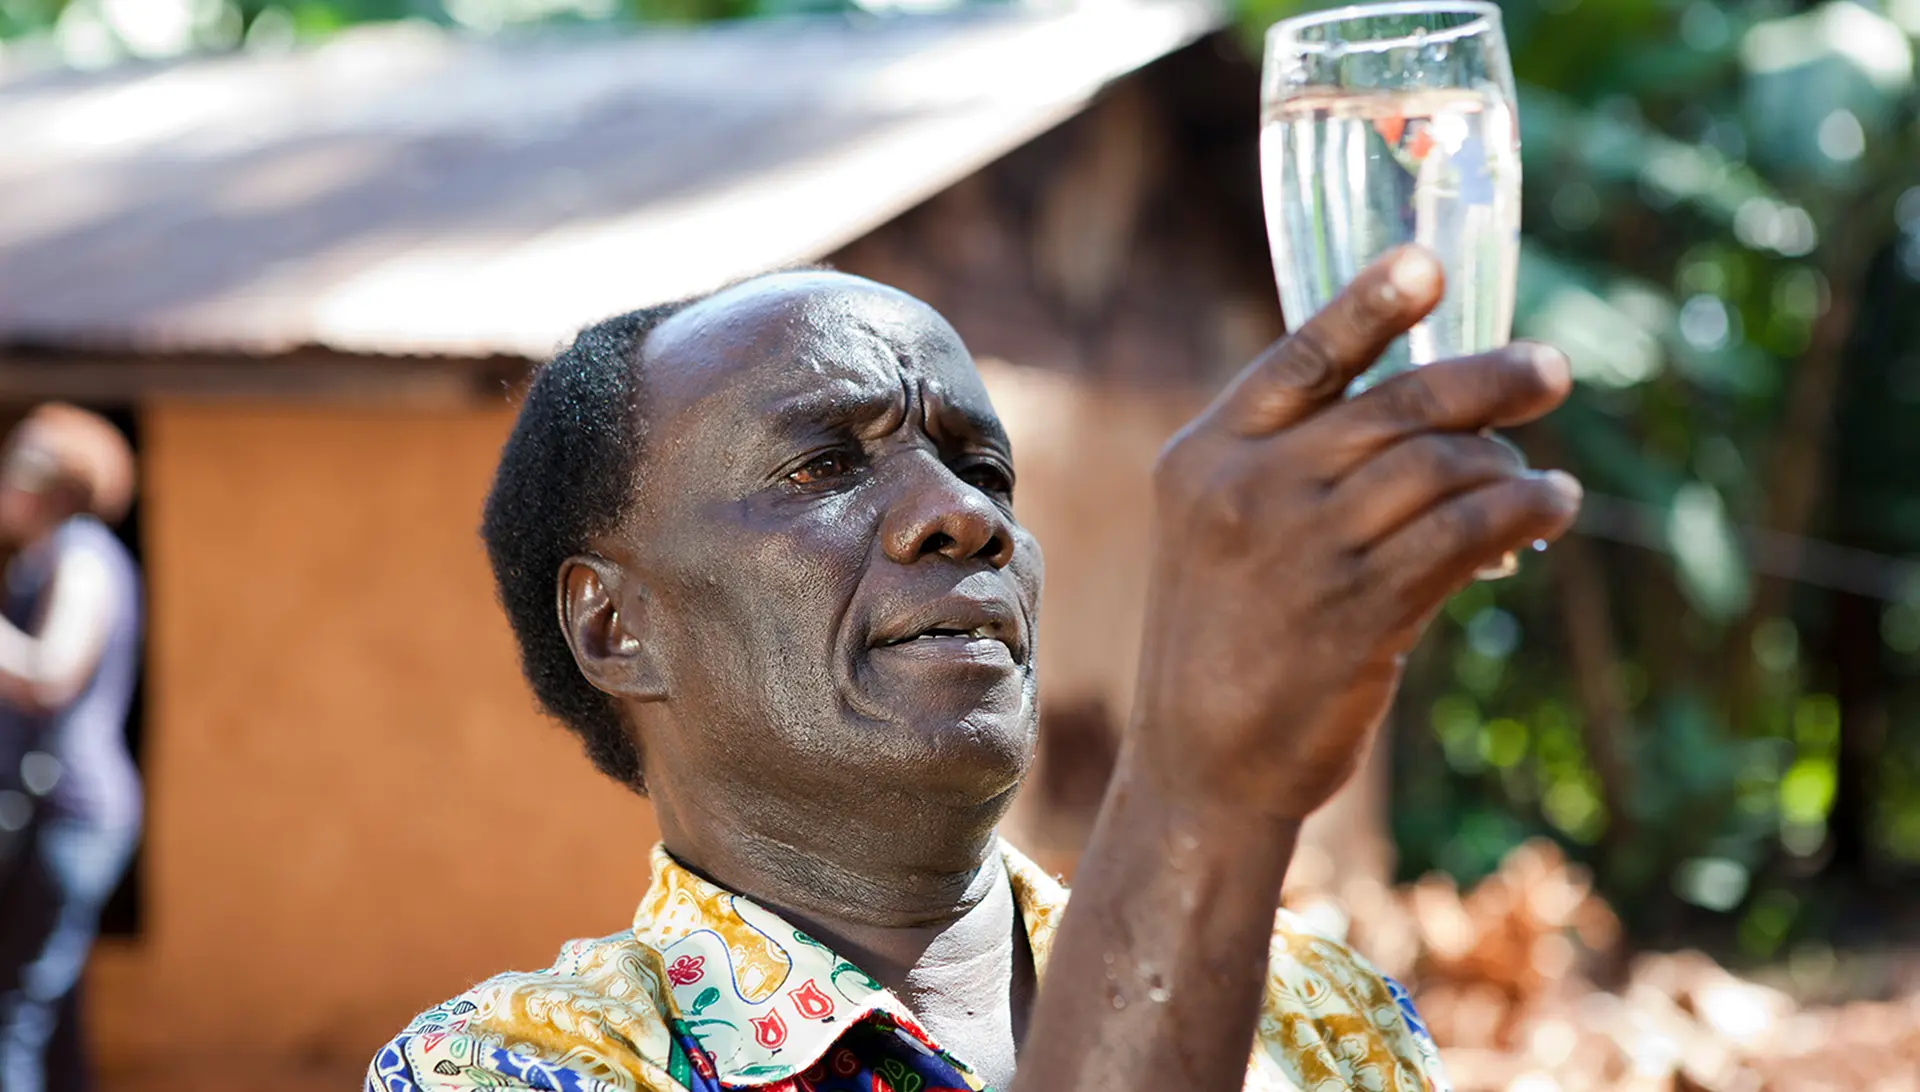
405 191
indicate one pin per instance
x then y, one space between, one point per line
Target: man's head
59 462
778 525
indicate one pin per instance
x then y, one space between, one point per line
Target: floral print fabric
711 991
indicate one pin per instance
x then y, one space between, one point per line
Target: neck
877 882
916 958
968 975
920 900
919 864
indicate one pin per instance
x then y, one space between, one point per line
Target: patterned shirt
710 991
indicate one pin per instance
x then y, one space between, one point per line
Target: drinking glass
1392 123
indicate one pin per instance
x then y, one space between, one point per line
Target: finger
1312 366
1509 386
1437 553
1397 485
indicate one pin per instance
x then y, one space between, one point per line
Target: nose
937 513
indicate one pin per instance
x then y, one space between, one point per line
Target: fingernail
1565 484
1552 364
1414 273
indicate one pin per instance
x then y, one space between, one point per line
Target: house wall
352 801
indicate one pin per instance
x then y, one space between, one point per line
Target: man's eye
822 468
988 478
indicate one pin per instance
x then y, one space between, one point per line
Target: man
759 553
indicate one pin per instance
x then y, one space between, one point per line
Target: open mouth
978 633
964 627
978 648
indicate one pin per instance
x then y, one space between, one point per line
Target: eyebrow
840 405
837 405
979 420
986 424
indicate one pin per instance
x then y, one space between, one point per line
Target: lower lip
979 651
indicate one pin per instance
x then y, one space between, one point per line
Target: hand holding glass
1387 124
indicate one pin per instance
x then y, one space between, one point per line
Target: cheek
813 563
1029 568
756 654
761 597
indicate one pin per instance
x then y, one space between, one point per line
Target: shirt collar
766 1000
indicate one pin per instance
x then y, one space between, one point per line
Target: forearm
1158 969
44 669
20 660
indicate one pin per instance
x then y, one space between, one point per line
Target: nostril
936 543
995 547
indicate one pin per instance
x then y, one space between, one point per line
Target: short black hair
567 474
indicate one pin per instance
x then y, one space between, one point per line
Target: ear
601 613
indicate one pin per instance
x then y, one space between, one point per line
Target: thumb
1311 367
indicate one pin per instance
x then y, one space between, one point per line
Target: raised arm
47 668
1302 544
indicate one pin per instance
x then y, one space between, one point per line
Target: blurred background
1649 814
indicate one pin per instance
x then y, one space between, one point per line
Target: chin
956 732
974 756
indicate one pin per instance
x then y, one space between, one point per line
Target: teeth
978 633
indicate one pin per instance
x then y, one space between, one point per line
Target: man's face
834 587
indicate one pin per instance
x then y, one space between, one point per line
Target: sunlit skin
819 620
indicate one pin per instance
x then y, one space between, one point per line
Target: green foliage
97 31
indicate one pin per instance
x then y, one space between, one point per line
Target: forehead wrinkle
809 384
834 404
719 427
962 407
789 357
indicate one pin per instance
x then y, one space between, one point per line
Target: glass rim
1486 16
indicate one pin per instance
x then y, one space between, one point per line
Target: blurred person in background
69 648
